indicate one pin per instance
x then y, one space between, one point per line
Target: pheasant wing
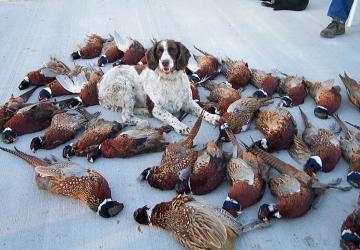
284 185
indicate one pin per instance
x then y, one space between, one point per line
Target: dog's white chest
170 93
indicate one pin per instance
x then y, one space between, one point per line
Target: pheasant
60 87
207 67
208 171
63 128
327 97
247 174
87 87
240 113
350 230
28 120
324 146
130 143
12 106
70 179
91 49
278 126
266 83
350 147
295 190
93 136
176 163
236 72
111 54
293 88
132 49
195 225
221 96
352 89
44 75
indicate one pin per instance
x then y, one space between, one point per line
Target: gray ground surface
31 31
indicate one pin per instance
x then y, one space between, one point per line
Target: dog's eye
172 50
161 50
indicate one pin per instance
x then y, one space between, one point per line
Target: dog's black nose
165 63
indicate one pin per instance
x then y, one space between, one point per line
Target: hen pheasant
195 225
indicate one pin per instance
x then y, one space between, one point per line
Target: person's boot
335 28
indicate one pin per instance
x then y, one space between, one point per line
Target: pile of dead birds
195 225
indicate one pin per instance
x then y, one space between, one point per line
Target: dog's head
168 55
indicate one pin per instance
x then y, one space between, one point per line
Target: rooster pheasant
236 72
295 190
93 136
130 143
247 174
13 105
70 179
29 120
176 163
327 97
45 74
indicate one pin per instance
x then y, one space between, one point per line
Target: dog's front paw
182 129
212 119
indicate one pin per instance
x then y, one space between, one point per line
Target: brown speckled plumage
111 54
209 65
134 142
33 118
326 94
92 47
246 174
12 106
295 190
294 87
221 96
95 135
68 179
36 78
236 72
352 89
351 225
63 128
57 89
177 160
278 127
240 113
45 74
265 81
133 54
322 143
350 148
196 225
208 171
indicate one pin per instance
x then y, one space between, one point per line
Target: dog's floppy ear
183 57
151 58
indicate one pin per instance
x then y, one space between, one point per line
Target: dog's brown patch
139 68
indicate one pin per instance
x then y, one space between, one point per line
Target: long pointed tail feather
195 129
32 160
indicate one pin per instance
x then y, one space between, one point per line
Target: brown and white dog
163 80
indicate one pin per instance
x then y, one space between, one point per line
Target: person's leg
339 11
